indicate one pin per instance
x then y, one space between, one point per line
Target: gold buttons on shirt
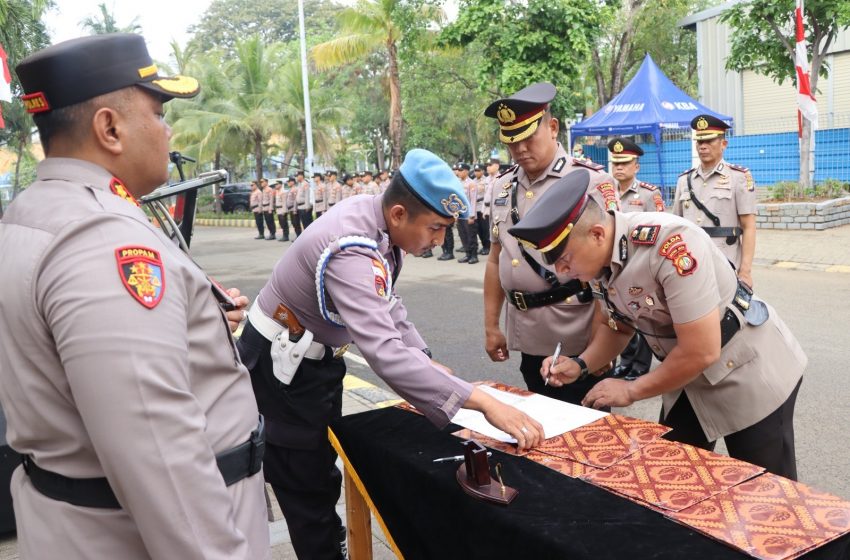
569 299
687 205
515 262
612 291
529 194
730 364
495 231
656 348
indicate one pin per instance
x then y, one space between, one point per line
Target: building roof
692 20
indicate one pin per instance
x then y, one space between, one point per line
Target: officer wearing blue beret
335 286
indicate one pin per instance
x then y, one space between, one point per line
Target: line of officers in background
294 199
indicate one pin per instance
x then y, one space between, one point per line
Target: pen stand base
491 492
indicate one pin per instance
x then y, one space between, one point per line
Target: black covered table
390 452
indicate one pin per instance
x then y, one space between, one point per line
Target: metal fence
770 149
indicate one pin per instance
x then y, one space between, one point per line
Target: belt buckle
341 350
519 299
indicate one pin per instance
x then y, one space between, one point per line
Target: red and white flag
805 98
5 82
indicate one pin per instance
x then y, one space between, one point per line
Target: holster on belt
289 345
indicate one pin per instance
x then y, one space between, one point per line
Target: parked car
235 197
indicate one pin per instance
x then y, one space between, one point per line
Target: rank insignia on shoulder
118 189
587 163
514 167
624 249
686 171
648 186
645 234
142 273
676 250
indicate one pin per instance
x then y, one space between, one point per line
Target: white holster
287 355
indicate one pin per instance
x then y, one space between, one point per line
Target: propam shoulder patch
142 273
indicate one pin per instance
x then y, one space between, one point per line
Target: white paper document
556 416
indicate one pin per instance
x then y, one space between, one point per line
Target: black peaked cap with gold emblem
77 70
623 150
708 127
519 115
549 222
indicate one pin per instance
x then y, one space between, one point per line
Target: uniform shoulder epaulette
645 234
686 172
514 167
740 168
648 186
588 164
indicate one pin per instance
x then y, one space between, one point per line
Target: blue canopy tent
649 104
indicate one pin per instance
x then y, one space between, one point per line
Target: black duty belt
242 461
730 233
529 300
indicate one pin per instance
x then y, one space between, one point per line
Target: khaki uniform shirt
665 270
383 185
256 201
280 200
641 197
334 193
536 331
302 196
488 194
268 200
291 199
471 189
95 383
320 198
346 191
728 191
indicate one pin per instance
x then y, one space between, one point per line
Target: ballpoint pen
456 458
554 359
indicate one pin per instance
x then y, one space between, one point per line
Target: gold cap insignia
454 205
702 124
618 148
505 114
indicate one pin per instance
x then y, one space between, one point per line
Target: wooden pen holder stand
474 476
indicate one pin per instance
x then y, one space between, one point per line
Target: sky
162 20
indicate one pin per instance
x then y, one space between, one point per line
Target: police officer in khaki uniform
720 197
542 310
292 204
337 281
281 195
303 200
468 228
635 196
119 378
320 195
482 215
729 368
268 201
334 188
256 202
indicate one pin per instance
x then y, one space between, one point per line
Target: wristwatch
583 365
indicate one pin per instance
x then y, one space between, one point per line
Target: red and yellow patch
659 202
35 102
118 189
609 195
142 273
381 276
676 250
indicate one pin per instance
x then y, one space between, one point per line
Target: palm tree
107 23
370 26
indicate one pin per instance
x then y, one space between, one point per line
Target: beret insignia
702 124
618 148
453 205
505 114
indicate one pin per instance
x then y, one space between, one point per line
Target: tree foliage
227 22
525 42
105 22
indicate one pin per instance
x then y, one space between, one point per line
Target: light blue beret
434 183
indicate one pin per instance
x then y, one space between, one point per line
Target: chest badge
142 273
649 301
633 306
635 291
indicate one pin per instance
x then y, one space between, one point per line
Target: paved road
444 300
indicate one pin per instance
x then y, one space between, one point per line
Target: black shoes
446 257
260 237
484 252
463 259
634 374
271 238
427 254
472 260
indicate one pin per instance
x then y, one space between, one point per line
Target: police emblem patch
676 250
142 273
381 277
608 194
118 189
